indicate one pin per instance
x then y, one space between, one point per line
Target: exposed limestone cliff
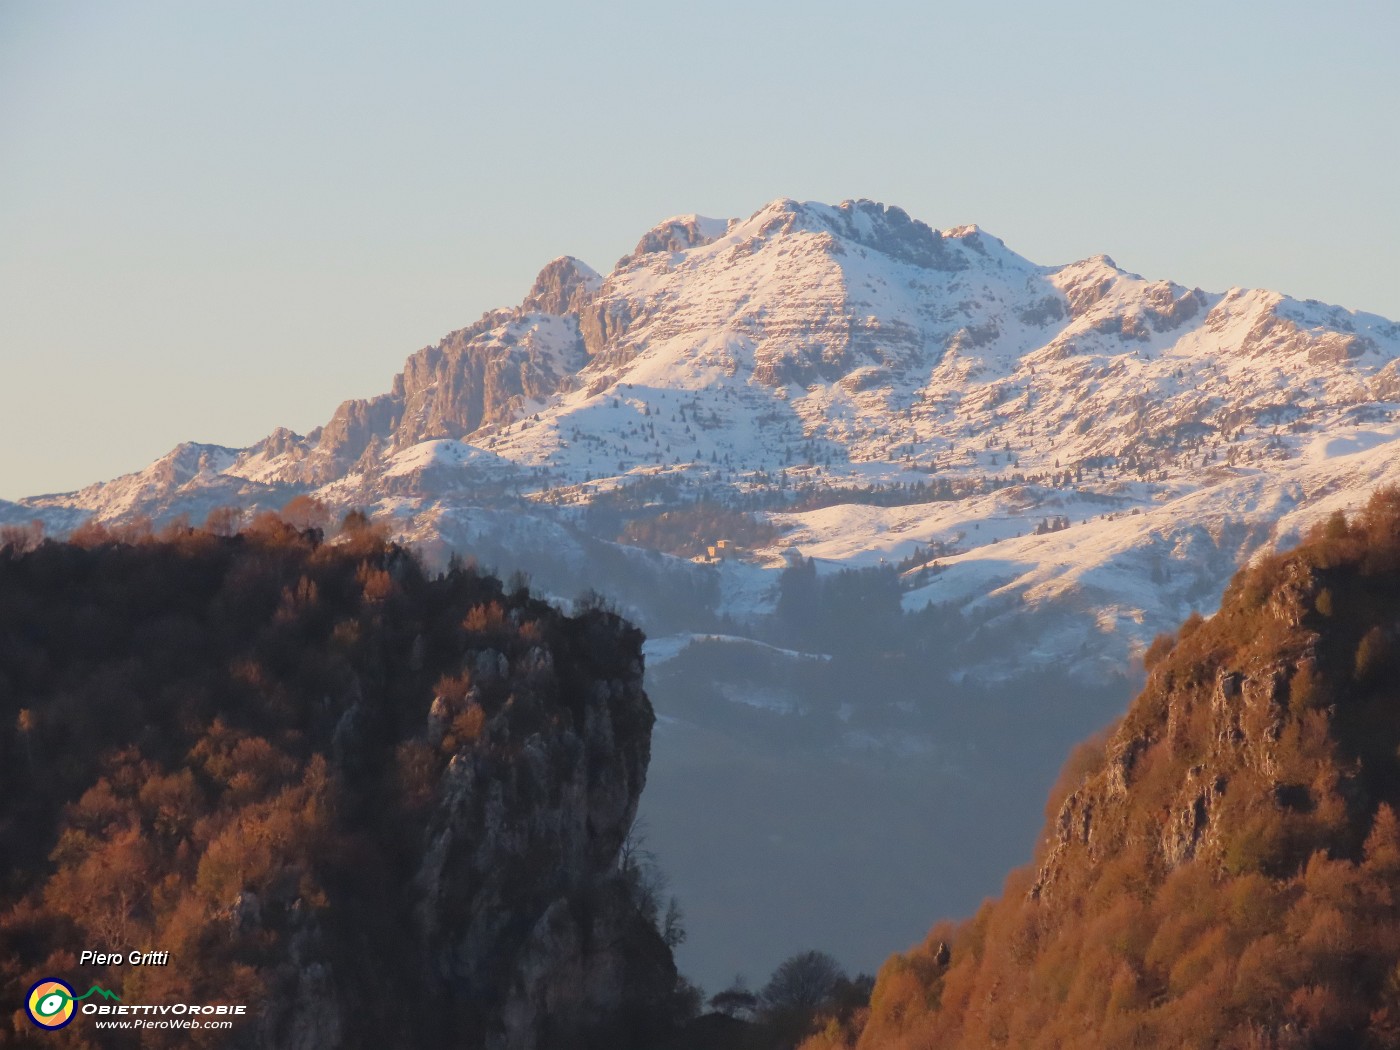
526 920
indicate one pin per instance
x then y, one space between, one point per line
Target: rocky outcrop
602 324
475 380
479 376
383 808
562 287
1224 868
529 927
349 433
525 927
891 232
677 235
1226 715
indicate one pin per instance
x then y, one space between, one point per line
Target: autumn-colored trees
1223 868
220 744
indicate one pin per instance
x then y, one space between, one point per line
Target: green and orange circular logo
50 1003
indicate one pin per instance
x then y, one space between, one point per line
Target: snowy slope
1164 432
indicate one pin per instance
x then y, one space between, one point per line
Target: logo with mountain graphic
51 1002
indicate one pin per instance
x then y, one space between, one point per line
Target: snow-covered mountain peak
868 224
832 350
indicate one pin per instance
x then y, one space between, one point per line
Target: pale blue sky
216 218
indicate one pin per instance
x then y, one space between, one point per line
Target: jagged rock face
1226 713
384 808
868 331
528 931
523 913
355 425
891 232
677 235
480 376
479 379
839 346
1224 869
562 287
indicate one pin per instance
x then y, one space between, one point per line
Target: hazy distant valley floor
773 852
779 833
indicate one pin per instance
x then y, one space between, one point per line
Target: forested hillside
1222 869
382 809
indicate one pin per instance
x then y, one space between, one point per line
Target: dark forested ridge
1222 869
382 809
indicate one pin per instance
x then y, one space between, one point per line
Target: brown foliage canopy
1224 869
211 740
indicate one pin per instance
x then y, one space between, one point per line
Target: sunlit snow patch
446 453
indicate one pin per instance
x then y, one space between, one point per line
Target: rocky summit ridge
1165 432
